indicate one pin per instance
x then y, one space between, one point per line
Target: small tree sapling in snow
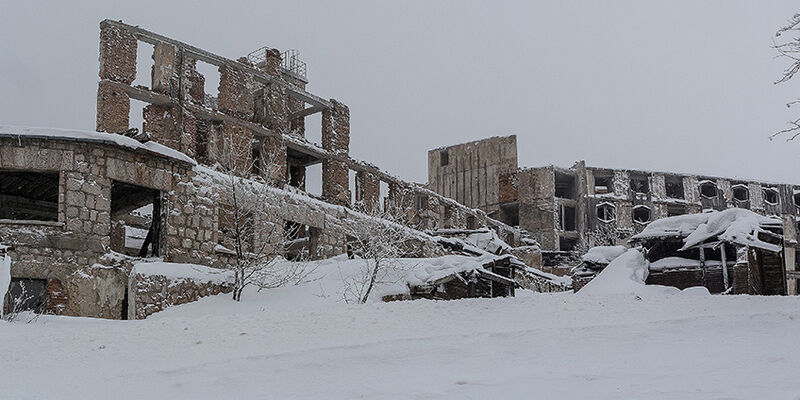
247 219
378 243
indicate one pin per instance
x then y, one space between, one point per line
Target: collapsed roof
735 225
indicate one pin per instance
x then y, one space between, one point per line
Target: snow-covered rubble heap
735 225
158 285
626 275
603 254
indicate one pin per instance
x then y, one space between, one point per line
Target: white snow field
303 343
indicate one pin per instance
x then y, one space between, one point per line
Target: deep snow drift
302 342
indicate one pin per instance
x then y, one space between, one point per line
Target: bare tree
378 243
787 44
250 227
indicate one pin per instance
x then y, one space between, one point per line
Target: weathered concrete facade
570 209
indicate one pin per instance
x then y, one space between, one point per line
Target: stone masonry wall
336 139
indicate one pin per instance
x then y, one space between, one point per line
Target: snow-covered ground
302 343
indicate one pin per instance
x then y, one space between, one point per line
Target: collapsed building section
568 210
80 208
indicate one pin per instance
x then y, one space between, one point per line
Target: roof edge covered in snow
75 135
734 225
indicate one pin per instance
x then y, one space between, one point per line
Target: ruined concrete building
572 209
75 206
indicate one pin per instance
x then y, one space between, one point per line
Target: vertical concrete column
336 139
368 191
164 78
117 64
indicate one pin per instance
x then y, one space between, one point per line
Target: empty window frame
708 189
135 219
770 195
674 187
641 214
472 222
444 158
565 185
567 244
796 198
603 184
28 195
740 193
640 184
606 212
566 218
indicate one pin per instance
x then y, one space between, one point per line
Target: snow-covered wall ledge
155 286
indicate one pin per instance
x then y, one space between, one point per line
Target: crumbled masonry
81 208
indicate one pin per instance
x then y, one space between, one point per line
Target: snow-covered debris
5 275
176 271
625 275
603 254
429 270
676 262
488 241
91 136
734 225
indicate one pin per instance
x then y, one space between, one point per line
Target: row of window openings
605 212
674 189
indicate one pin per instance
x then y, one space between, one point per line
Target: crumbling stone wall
69 249
117 64
154 293
336 139
368 188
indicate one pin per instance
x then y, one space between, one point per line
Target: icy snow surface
301 342
735 225
603 254
114 138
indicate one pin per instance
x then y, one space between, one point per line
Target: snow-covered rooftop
92 137
734 225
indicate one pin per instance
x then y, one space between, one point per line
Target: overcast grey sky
671 85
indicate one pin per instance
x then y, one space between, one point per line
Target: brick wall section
117 63
113 109
117 54
236 92
194 83
336 139
164 78
368 191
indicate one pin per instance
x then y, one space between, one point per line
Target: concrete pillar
164 79
368 191
118 64
336 139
